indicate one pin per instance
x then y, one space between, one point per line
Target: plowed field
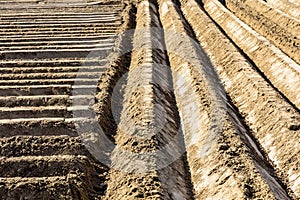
157 99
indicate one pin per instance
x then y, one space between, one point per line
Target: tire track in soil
229 159
258 103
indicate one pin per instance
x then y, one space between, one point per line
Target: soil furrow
45 100
55 39
66 23
258 102
54 70
290 24
55 6
55 31
58 75
56 47
148 123
275 65
227 153
71 81
69 187
55 53
33 10
67 89
45 111
55 62
43 157
287 7
81 41
38 188
46 126
53 14
60 33
58 18
282 37
18 146
42 166
14 37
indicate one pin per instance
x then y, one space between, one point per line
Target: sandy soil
166 99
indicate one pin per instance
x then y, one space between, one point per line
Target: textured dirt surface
158 99
273 25
43 59
235 72
288 7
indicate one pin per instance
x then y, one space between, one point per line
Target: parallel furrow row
282 31
217 141
152 99
46 77
286 6
281 70
246 87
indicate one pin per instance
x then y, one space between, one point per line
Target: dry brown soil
154 99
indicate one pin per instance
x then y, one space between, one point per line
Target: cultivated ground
157 99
